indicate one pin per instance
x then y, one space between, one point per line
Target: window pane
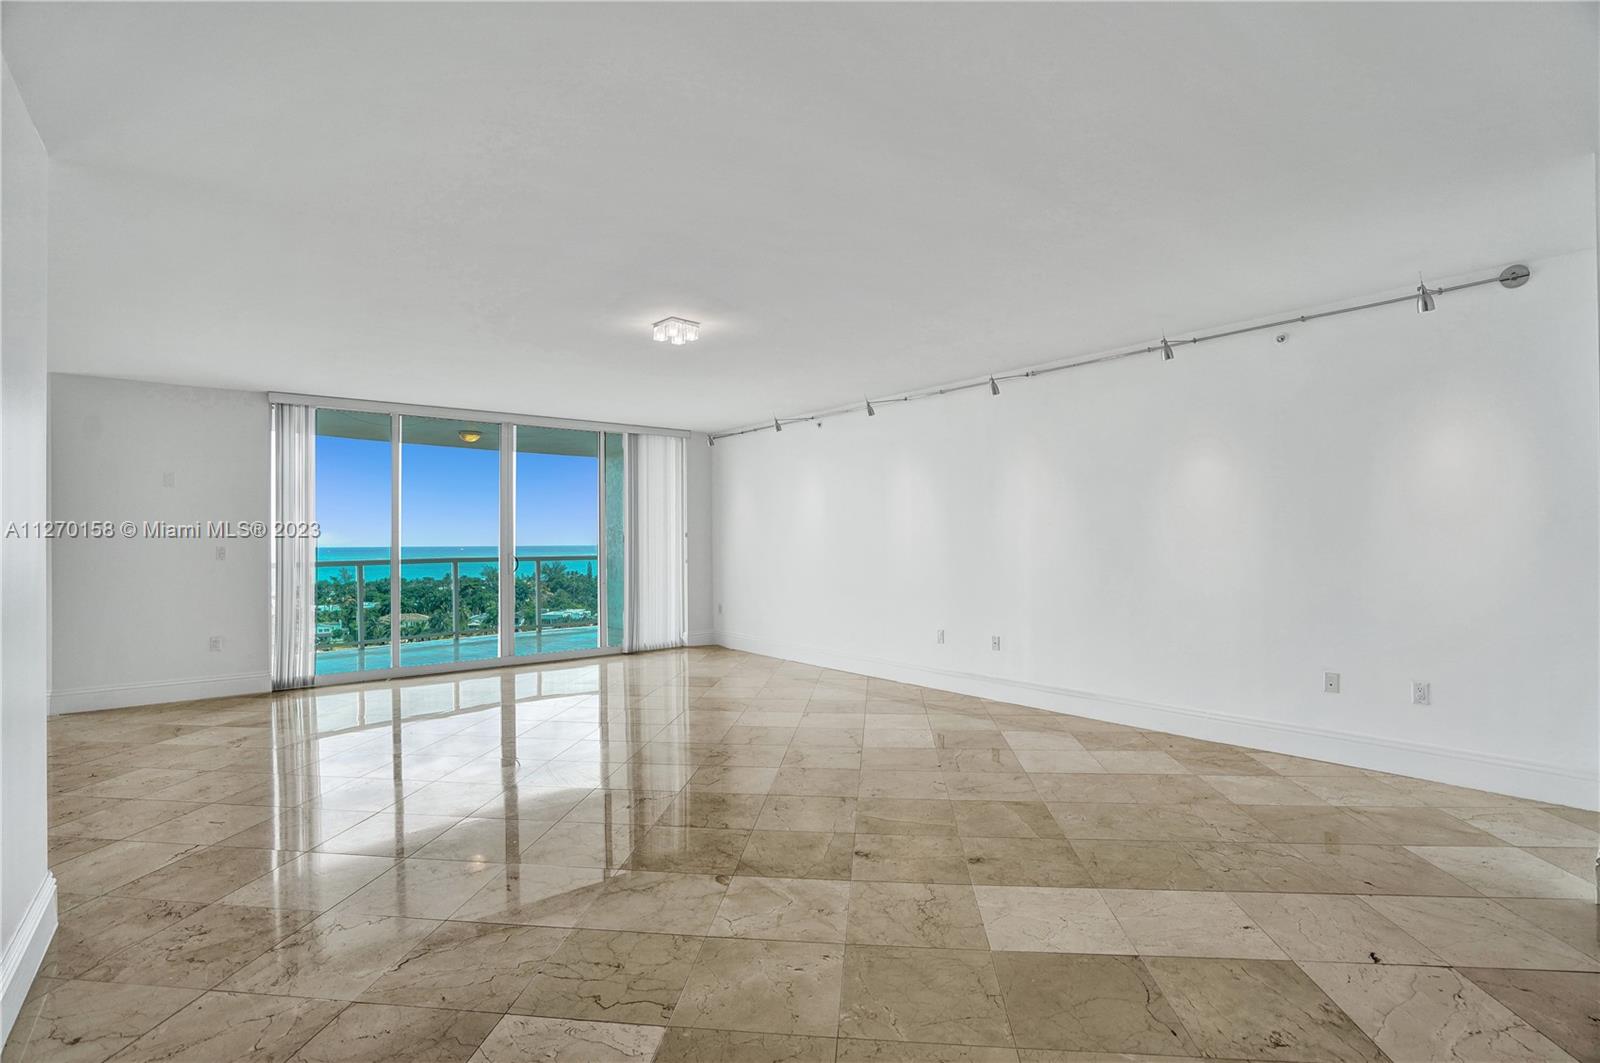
557 516
353 487
449 536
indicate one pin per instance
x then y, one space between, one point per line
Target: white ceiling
486 205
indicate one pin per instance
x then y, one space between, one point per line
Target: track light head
994 388
711 441
777 425
1424 296
1167 353
870 411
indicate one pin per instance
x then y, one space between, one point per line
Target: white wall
27 889
132 618
1190 545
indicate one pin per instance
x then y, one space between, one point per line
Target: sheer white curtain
293 556
656 548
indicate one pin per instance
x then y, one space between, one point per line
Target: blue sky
451 496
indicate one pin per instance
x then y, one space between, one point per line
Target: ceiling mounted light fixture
870 411
994 388
469 435
675 330
1425 303
1167 354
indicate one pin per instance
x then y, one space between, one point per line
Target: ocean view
327 554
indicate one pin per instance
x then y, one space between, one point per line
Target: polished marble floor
703 855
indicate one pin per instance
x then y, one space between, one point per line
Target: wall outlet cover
1421 692
1330 682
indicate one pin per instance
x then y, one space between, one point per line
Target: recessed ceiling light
676 331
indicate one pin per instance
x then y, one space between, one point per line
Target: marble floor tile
120 819
576 843
1087 1004
87 1022
690 1045
116 864
1262 790
422 889
923 785
727 857
1573 923
1333 929
798 854
1023 862
713 810
854 1050
1430 1013
1175 923
784 909
915 913
756 986
804 813
1465 932
526 1039
1562 1005
391 1034
689 850
1041 919
1006 819
237 1027
202 950
534 894
1259 1010
893 815
1142 866
311 881
89 932
467 966
1505 871
498 841
301 828
908 858
206 825
207 874
336 956
388 834
942 996
1468 932
656 902
611 975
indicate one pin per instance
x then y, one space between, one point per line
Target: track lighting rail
1510 277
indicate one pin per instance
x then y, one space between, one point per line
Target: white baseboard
1460 767
700 638
89 699
25 951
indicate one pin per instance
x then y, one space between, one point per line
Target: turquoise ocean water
381 554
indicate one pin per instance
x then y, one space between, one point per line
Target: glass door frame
506 626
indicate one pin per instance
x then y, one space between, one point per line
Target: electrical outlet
215 644
169 479
1330 682
1420 692
994 642
939 637
222 553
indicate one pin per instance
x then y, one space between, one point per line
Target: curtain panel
293 556
656 545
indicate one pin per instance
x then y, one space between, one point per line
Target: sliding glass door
353 469
450 541
557 540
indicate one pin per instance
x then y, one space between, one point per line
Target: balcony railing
371 620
